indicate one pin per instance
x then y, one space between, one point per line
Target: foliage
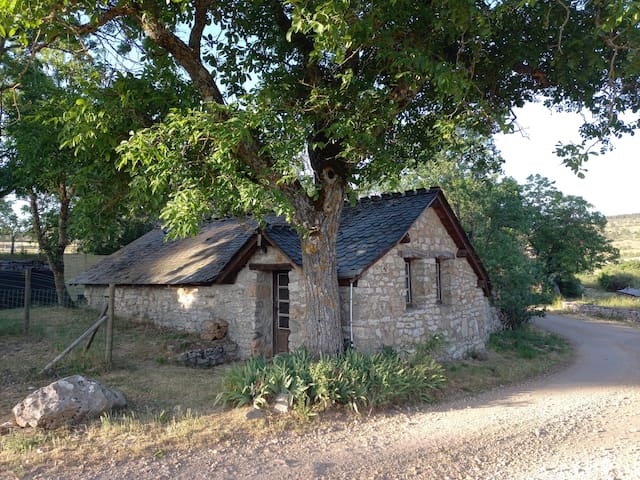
353 379
61 148
620 275
570 286
526 342
566 234
9 222
304 100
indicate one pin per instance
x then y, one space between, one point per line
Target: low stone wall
604 312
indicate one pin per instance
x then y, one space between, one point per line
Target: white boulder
65 401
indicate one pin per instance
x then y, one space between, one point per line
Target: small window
438 281
407 282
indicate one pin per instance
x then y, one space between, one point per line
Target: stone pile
223 351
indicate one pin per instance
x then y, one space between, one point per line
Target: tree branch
199 24
186 57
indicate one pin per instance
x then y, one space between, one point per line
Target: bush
620 275
615 282
570 286
353 379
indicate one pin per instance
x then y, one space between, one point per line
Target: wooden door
280 312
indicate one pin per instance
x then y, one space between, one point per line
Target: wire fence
14 297
12 288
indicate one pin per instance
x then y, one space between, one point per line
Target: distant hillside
624 232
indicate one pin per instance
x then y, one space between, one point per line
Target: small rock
255 414
481 355
6 428
281 404
214 329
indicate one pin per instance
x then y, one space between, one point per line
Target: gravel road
580 423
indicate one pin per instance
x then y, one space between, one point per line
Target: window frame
438 280
408 283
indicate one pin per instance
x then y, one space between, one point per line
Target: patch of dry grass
624 232
512 358
171 407
142 367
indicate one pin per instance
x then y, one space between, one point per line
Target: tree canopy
59 152
304 100
532 238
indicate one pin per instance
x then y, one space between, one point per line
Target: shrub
615 282
570 286
620 275
353 379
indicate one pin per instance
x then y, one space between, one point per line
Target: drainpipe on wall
351 313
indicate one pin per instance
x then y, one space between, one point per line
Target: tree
566 234
59 152
300 99
500 223
9 222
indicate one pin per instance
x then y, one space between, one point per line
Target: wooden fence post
109 329
27 300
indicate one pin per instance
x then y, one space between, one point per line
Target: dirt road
581 423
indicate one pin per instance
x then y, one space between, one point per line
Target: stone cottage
406 271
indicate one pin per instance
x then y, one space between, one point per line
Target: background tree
300 99
9 223
566 234
59 153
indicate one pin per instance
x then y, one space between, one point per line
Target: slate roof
368 230
152 260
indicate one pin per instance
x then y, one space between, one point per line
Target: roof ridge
376 197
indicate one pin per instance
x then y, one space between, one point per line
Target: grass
140 368
624 232
613 301
173 407
513 357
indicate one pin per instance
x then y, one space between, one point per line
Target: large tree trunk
321 221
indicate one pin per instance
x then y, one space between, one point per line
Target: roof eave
453 227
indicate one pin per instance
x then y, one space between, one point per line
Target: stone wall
379 311
246 306
603 312
381 316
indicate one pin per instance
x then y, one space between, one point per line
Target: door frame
281 312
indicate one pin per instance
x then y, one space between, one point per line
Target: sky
612 180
